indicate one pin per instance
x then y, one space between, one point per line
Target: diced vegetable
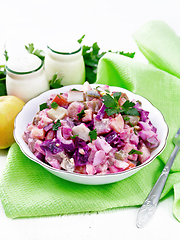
75 96
82 131
117 123
58 113
61 101
74 109
101 144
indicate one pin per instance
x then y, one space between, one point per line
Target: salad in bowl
91 134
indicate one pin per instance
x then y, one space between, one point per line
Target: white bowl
32 107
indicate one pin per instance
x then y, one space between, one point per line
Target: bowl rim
107 175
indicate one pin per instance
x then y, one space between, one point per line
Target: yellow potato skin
10 106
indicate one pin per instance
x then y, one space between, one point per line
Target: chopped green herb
43 106
56 125
81 115
54 105
55 82
74 89
107 91
97 88
134 151
131 124
135 131
93 134
126 118
73 137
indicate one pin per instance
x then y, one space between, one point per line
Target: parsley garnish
56 125
74 136
54 105
93 134
43 106
74 89
134 151
113 107
128 109
126 118
111 103
81 115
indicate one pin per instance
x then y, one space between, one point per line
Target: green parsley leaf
95 49
55 82
126 118
112 105
116 96
128 104
128 109
107 91
81 39
54 105
131 55
74 89
30 47
109 101
56 125
39 53
134 151
81 115
74 136
43 106
132 111
93 134
6 55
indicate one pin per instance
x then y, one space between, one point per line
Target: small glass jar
66 60
25 77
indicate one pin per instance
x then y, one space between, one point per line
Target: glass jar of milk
26 76
65 59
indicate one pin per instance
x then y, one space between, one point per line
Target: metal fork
149 206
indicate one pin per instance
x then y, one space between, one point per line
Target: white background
111 24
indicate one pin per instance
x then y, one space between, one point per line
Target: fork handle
149 206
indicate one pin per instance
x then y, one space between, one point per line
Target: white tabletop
111 24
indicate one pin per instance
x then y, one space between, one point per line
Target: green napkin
28 190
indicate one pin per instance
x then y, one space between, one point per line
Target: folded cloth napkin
28 190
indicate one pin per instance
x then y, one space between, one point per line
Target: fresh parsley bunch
92 55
